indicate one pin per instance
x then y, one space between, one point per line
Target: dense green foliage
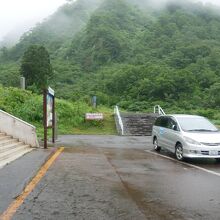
36 67
128 53
71 115
172 60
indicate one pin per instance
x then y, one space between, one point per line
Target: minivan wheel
155 143
179 152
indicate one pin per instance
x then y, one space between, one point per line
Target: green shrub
29 107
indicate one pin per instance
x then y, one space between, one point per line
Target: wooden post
53 121
45 117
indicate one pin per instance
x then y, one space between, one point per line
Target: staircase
11 149
138 124
17 138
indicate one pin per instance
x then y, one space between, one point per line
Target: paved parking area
111 177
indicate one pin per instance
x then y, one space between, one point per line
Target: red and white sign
94 116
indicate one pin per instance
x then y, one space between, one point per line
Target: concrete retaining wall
17 128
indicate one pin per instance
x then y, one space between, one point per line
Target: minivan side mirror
174 127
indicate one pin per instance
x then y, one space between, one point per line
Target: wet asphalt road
17 174
111 177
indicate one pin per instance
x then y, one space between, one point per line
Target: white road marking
184 163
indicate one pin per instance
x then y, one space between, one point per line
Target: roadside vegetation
71 115
127 53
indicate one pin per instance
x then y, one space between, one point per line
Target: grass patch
106 126
71 115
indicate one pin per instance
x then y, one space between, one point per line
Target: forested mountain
57 30
131 53
55 33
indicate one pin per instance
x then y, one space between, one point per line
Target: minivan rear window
161 122
158 121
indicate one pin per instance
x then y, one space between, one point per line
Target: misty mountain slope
179 35
57 30
132 58
155 7
125 55
108 35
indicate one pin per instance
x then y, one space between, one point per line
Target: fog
161 3
16 17
215 2
23 14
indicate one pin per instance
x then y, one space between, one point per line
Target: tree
36 67
214 97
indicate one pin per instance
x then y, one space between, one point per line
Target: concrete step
138 124
139 130
2 134
135 115
11 149
138 134
5 137
12 152
11 158
7 141
10 146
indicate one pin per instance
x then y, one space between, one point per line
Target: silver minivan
188 136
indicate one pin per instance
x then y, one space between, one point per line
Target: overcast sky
216 2
19 13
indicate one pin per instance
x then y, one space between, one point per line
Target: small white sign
50 100
50 91
94 116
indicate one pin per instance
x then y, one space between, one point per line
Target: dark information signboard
49 113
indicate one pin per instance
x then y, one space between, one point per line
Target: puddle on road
132 167
152 208
129 166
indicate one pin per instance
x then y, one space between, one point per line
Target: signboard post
22 82
94 101
49 113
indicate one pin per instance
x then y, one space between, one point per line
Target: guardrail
117 114
159 110
18 128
